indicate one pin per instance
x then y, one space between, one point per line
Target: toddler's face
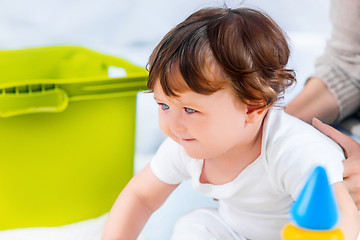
207 126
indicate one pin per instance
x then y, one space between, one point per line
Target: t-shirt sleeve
294 159
169 164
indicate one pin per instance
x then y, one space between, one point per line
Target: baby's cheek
164 126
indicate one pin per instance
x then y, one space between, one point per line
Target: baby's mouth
187 139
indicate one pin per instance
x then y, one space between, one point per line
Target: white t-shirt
256 203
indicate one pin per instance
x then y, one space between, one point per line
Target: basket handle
54 100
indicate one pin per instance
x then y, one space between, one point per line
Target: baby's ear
255 114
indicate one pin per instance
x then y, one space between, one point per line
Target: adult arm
315 100
351 164
139 199
350 218
333 92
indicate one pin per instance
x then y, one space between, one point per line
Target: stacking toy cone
315 213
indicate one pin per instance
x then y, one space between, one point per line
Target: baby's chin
194 153
192 147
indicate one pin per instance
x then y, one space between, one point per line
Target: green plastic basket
67 134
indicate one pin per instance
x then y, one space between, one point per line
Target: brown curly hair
248 48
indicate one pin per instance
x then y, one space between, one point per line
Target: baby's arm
139 199
350 219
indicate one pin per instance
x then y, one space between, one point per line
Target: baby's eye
164 106
190 110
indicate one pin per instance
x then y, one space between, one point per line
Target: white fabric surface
85 230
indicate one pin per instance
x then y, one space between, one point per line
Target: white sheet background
131 29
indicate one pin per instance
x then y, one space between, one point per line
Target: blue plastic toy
315 213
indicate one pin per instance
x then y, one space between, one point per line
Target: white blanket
85 230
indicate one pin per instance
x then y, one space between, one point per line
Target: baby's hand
352 162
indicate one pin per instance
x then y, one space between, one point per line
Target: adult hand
352 162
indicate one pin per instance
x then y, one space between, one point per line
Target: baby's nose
177 125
